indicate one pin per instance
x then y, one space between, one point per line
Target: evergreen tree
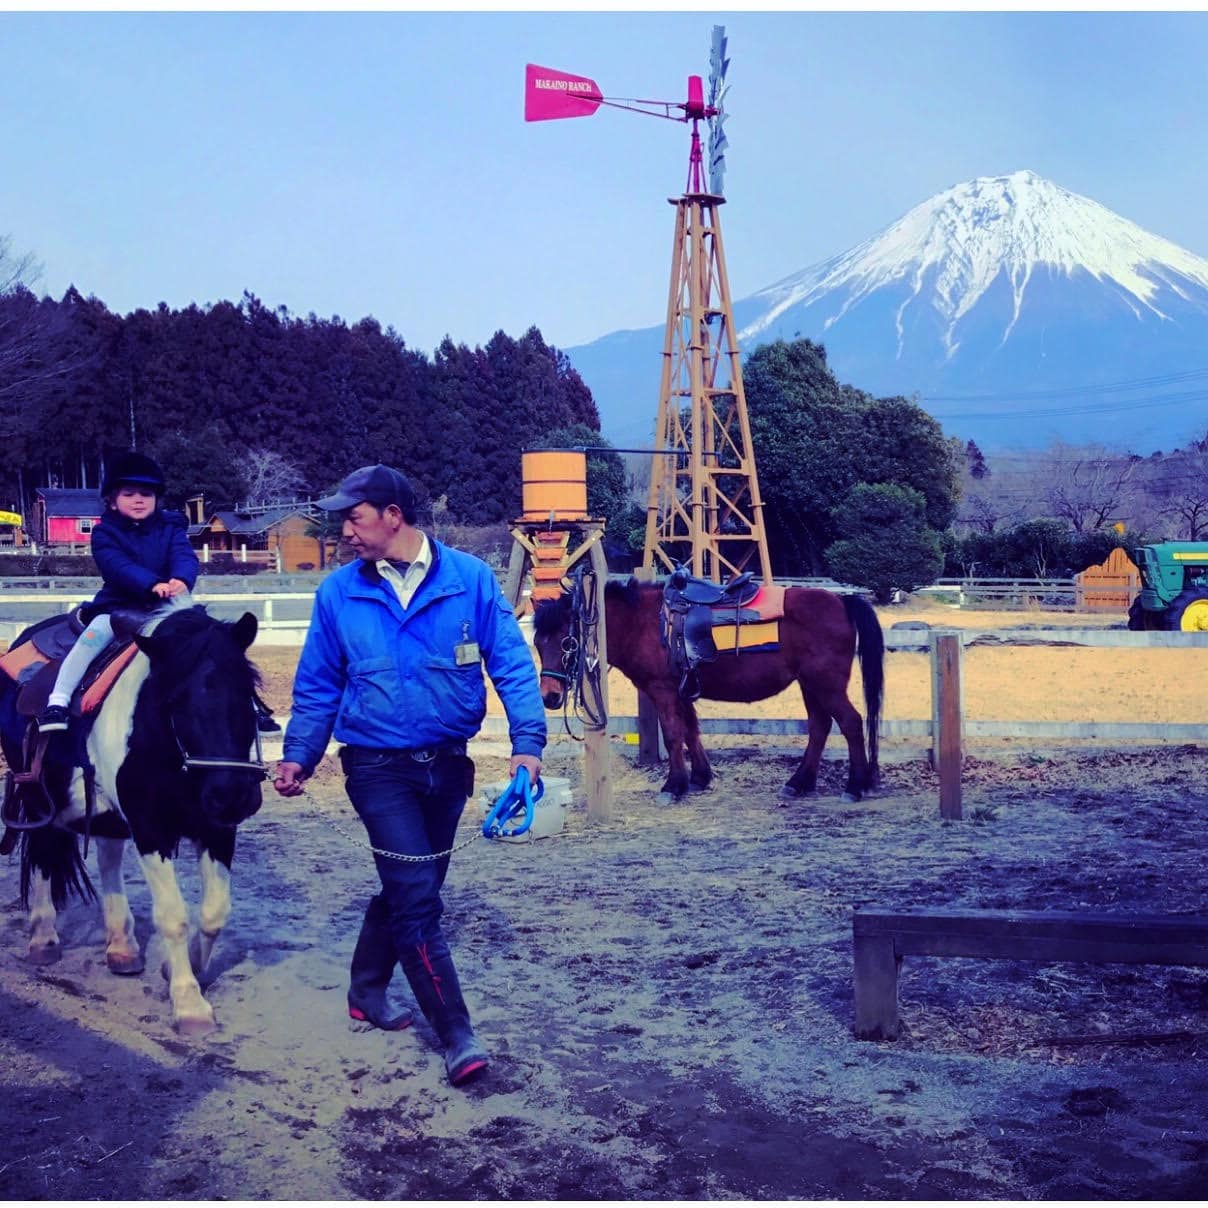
886 543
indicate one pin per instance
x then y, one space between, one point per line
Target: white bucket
549 813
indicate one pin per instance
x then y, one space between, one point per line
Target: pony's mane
188 633
550 615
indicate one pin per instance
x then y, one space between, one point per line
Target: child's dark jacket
134 555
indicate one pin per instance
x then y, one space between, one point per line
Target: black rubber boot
373 961
429 969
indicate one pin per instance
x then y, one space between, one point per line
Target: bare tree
22 322
271 478
996 493
1179 486
1089 487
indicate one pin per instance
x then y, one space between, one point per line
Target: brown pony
820 634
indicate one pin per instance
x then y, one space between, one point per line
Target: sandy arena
667 996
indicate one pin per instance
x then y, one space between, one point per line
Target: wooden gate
1108 587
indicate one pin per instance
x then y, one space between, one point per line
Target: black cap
132 469
379 485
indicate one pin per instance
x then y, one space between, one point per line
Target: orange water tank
553 480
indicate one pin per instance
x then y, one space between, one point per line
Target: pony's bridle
190 763
579 662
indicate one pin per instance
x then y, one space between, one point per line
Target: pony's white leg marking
121 948
190 1011
215 908
44 946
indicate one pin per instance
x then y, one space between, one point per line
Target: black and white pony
171 746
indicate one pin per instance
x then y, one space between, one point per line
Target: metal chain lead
398 855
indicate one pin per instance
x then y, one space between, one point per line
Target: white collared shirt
405 585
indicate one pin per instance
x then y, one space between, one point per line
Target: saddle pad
99 688
19 659
768 605
35 691
759 635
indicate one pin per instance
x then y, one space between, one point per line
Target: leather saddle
35 663
37 789
691 609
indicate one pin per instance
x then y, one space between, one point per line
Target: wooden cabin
274 536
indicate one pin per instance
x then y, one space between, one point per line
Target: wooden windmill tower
704 501
704 507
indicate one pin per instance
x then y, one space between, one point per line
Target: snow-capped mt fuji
951 250
1014 308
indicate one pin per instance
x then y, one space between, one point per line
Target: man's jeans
411 807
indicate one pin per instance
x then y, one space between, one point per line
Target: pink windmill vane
550 95
704 503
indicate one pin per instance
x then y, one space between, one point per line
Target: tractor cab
1174 587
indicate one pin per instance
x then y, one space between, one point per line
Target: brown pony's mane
551 615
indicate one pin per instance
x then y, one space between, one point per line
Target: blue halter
516 800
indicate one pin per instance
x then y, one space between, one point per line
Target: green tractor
1174 587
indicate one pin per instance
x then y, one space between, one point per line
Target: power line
1061 392
1090 409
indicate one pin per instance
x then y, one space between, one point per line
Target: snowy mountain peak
948 251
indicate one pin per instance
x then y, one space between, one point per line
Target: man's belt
418 754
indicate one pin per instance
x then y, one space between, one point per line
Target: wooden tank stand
597 782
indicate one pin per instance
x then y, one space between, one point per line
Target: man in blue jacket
393 667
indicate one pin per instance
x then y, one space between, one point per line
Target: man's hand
163 590
290 778
176 586
526 761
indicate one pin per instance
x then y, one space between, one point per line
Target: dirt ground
667 995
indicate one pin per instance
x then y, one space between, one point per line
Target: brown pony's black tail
870 650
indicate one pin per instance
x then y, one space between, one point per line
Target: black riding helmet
133 469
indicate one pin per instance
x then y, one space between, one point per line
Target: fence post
947 717
596 773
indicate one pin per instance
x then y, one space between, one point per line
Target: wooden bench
882 937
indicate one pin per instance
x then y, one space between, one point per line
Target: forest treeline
216 393
241 402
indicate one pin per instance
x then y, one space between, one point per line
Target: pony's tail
870 650
55 854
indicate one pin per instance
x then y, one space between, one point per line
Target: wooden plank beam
881 938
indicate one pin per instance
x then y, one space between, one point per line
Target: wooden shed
275 536
64 518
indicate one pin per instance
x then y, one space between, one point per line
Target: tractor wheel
1136 615
1188 611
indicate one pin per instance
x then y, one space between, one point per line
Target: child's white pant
79 658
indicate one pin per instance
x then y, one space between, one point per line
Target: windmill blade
718 65
550 94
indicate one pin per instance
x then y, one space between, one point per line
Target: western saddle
691 607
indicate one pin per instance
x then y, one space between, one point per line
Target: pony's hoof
125 964
851 798
45 954
194 1026
665 798
793 792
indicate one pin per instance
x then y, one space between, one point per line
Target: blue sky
378 163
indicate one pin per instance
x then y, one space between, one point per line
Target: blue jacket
134 555
378 675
